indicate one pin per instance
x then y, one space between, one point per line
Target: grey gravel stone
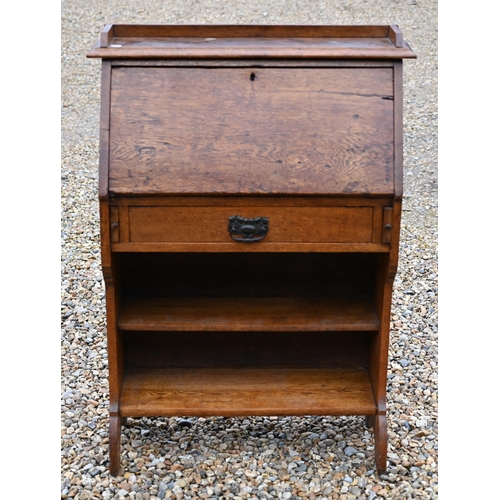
349 451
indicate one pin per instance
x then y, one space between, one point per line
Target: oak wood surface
107 35
377 224
396 35
286 225
247 314
309 224
380 434
254 201
398 130
239 392
217 131
155 247
104 130
253 31
266 41
387 52
387 268
112 281
114 444
253 63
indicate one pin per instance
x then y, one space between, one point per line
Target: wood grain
286 225
104 130
107 35
247 314
155 247
396 35
243 41
151 31
291 51
254 201
398 130
114 444
380 434
241 392
248 62
215 131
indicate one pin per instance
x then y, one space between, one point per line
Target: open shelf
250 391
247 314
215 349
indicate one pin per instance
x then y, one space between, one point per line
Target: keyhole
252 77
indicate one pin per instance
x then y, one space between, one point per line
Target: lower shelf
246 391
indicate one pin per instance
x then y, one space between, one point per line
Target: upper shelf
251 314
124 41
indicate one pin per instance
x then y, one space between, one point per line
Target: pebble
355 491
349 451
247 457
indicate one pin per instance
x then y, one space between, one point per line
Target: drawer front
286 224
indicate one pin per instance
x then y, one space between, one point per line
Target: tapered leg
114 444
369 420
380 434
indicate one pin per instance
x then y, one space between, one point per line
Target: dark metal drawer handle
248 230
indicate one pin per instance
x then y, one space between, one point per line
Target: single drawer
153 224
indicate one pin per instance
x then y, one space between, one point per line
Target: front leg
115 424
380 434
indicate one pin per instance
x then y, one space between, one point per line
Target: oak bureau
250 188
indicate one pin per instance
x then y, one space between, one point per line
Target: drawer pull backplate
248 230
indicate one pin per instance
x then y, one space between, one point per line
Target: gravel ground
248 458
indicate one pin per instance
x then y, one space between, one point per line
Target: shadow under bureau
250 194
